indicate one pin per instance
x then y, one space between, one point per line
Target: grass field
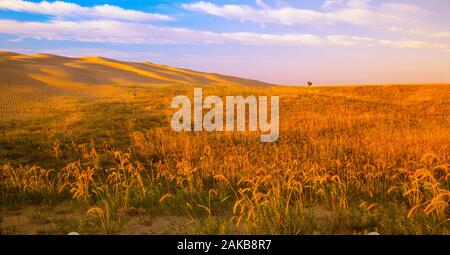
86 146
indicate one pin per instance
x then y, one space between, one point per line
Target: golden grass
349 160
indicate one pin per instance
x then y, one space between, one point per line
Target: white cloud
71 10
272 39
107 23
415 44
402 8
347 40
239 12
421 32
330 3
358 3
104 31
261 4
401 18
134 33
355 12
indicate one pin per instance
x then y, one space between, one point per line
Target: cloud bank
71 10
333 12
109 31
112 24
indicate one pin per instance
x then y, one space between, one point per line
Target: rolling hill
63 72
28 82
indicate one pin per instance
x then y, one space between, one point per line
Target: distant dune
31 82
59 72
28 82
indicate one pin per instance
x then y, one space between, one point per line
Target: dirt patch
156 225
21 222
66 217
322 215
35 219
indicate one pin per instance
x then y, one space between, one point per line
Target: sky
284 42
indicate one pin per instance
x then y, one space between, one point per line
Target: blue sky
284 42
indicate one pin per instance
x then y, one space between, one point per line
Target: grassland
86 145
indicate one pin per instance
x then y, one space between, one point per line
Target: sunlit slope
63 72
31 81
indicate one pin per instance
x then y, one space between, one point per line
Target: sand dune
61 72
29 82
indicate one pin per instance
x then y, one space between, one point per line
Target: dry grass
349 160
